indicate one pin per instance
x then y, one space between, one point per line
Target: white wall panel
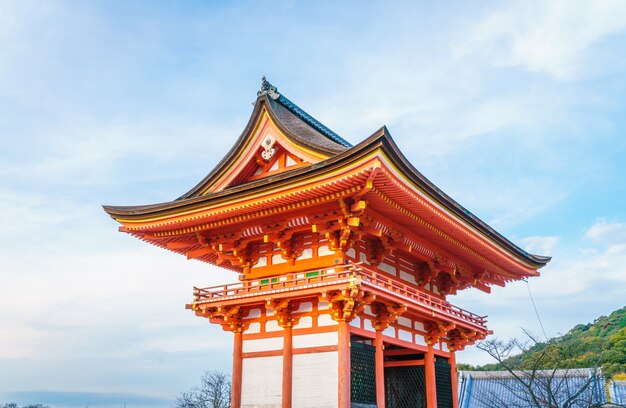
305 322
405 335
254 328
315 340
403 321
304 307
315 380
325 320
356 322
387 268
261 383
272 343
272 326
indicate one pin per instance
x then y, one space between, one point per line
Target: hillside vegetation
586 345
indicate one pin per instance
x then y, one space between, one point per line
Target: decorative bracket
282 310
386 314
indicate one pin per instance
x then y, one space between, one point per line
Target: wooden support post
287 367
235 401
431 385
455 380
380 370
343 351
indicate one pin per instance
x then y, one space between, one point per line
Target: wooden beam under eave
180 244
482 286
197 253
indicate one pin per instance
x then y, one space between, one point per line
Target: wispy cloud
552 38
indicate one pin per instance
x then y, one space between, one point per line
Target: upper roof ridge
272 92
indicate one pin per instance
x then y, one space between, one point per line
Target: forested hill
585 345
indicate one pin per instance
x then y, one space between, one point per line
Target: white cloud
540 244
552 37
607 233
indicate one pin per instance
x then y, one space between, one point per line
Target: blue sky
515 109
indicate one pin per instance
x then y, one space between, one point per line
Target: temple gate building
345 257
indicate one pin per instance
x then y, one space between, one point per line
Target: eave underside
425 231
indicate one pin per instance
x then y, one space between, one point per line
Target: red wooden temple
345 257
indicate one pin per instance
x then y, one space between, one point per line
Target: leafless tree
523 384
214 392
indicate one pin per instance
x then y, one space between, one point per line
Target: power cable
536 312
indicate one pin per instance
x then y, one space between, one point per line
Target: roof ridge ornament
268 89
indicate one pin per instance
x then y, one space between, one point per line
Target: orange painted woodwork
344 365
235 401
329 239
380 370
431 384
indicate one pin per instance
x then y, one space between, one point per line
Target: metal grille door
405 387
444 384
363 374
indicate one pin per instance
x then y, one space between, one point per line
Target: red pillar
380 370
235 401
343 351
455 381
287 367
431 386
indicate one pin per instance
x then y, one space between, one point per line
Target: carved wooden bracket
283 309
386 314
229 317
436 330
459 338
346 304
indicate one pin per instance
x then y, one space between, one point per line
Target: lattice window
362 374
405 387
444 384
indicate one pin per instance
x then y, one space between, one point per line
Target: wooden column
380 370
287 367
431 385
343 351
235 401
455 382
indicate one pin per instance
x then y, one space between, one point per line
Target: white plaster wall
350 253
261 382
419 339
367 325
306 254
253 313
389 331
324 250
315 340
356 322
403 321
305 322
407 277
387 268
254 328
325 320
405 335
272 326
315 380
304 307
272 343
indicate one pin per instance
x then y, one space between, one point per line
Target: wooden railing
343 274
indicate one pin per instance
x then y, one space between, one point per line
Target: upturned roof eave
379 139
268 183
452 205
